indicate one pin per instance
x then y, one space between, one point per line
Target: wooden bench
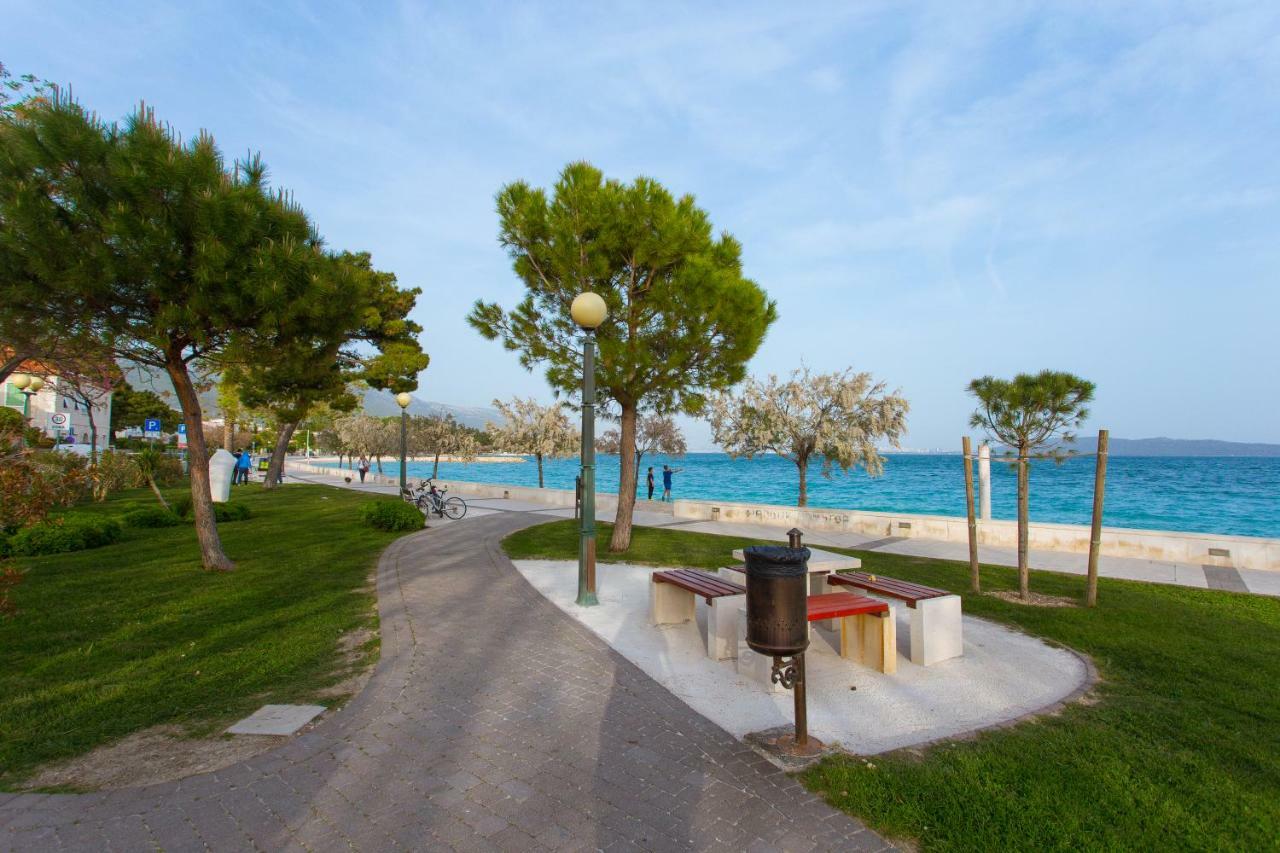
868 632
673 598
936 624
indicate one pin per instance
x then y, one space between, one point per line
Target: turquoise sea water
1234 495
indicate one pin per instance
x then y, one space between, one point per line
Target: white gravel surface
1002 675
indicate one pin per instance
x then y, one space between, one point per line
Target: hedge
151 516
58 536
392 515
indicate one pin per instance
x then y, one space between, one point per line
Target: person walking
666 480
243 466
235 469
650 482
364 467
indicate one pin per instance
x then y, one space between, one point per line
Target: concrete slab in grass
276 720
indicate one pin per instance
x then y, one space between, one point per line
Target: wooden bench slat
905 590
699 583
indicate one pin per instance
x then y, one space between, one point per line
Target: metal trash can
777 599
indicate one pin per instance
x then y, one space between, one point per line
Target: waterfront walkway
1125 568
492 721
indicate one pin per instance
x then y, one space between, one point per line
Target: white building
55 412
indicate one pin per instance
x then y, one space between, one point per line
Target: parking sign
182 435
151 428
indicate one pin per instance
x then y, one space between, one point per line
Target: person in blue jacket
242 467
667 471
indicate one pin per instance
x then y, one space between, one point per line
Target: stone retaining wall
1241 552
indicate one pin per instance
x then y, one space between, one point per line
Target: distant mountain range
382 404
1175 447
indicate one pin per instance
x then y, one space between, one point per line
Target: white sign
58 420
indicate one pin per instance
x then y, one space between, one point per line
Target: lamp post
588 311
403 399
29 385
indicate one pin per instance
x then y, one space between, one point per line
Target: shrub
33 482
221 512
64 534
114 471
391 515
151 516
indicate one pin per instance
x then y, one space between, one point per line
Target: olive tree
837 417
654 434
683 319
441 436
1030 413
543 432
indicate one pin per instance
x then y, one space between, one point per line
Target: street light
588 311
29 385
403 399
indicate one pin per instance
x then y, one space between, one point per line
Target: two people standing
240 474
667 472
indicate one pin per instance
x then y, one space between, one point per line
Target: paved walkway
1126 568
492 722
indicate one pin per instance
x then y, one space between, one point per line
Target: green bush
64 534
391 515
151 516
221 512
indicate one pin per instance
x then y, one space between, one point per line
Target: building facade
55 411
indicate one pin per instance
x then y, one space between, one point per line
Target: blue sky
930 192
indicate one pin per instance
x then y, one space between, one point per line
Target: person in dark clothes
650 482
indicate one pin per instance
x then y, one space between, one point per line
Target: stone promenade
492 722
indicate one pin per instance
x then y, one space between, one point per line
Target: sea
1236 495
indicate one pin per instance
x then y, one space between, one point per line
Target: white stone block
722 627
669 604
936 630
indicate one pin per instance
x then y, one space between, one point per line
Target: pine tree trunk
1024 572
228 435
211 553
621 540
541 485
802 465
276 465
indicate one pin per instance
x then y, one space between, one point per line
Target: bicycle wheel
455 508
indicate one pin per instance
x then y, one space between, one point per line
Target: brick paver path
493 722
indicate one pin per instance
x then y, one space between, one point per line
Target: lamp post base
780 748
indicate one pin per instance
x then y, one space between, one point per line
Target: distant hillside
383 404
1176 447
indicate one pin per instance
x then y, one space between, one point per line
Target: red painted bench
868 632
937 632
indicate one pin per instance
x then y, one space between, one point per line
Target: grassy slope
1181 750
117 639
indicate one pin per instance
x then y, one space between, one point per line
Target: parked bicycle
430 500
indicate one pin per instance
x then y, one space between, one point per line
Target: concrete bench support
669 604
722 626
936 632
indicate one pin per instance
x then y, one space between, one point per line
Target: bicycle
429 499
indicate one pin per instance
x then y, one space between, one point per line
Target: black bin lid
779 561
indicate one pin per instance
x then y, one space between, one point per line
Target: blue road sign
151 426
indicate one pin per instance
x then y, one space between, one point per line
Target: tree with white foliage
838 417
654 434
543 432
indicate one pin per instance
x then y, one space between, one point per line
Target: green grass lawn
1178 748
113 640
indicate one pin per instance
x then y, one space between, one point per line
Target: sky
930 191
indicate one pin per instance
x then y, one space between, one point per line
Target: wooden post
1095 534
965 449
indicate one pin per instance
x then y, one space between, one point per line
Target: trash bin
777 599
221 467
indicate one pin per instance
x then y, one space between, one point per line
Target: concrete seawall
1241 552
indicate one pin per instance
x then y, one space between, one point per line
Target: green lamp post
403 399
588 311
